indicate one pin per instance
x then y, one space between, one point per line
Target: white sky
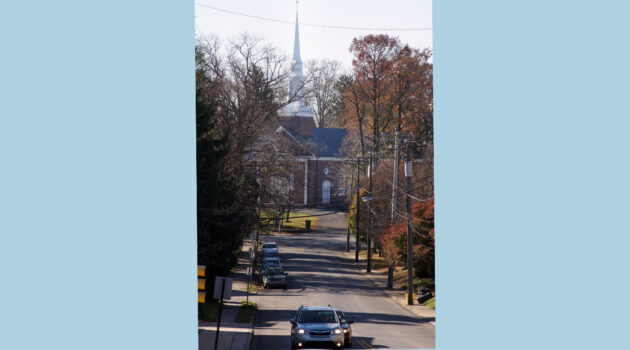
315 42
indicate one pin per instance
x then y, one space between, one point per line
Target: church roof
329 141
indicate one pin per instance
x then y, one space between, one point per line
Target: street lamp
408 175
369 235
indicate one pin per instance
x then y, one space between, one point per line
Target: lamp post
408 174
357 248
369 235
351 185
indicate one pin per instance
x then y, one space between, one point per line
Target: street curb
385 290
251 334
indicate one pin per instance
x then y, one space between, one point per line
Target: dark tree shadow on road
268 318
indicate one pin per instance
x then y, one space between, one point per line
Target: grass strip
378 262
246 312
296 221
208 311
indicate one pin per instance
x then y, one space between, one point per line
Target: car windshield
271 254
317 316
270 245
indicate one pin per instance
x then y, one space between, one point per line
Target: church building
318 178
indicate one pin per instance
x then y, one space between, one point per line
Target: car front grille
319 332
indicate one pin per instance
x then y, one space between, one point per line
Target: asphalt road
320 273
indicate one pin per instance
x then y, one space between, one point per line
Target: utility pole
395 180
250 272
216 337
356 251
351 185
369 217
408 174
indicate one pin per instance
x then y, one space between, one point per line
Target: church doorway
326 192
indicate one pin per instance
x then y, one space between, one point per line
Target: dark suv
345 326
316 326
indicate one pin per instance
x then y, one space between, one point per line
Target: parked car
316 326
266 251
269 258
269 245
424 294
345 325
274 277
266 263
270 253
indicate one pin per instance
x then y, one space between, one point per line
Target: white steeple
297 60
297 80
296 85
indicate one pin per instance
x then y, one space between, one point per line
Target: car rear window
274 271
317 316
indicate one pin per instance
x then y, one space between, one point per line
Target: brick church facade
318 176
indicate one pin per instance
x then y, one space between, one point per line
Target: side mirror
350 322
292 321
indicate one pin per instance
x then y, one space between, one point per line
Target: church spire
297 80
296 42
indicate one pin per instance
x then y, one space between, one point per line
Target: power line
308 24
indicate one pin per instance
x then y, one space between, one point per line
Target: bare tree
247 81
374 56
322 91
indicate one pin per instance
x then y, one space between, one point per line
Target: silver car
269 246
269 264
316 326
274 277
275 260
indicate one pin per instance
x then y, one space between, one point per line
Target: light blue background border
98 175
97 229
532 150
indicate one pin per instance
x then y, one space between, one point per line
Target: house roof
329 141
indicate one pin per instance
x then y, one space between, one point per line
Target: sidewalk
232 335
397 295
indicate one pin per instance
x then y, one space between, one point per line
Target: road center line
363 344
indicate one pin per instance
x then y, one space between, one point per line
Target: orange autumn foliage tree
390 88
394 241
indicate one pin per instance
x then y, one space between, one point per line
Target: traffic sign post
249 281
221 292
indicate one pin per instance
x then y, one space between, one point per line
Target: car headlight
301 331
345 331
337 331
